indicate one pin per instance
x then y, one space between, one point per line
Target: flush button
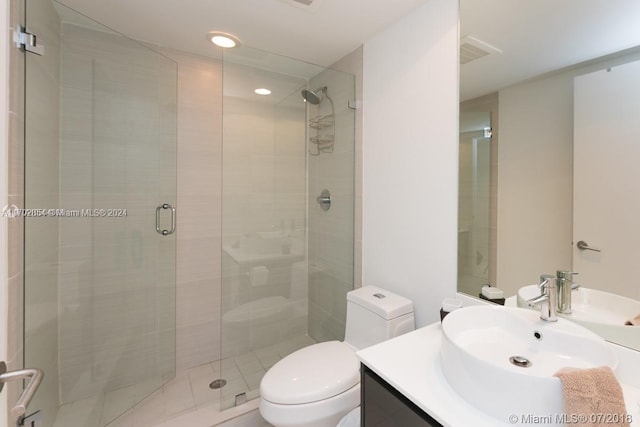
379 296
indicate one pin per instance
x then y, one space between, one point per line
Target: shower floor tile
185 400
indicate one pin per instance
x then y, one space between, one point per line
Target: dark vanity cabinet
383 405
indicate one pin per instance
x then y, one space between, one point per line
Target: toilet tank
375 315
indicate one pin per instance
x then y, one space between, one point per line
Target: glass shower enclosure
100 249
287 247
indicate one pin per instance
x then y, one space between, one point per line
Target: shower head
314 97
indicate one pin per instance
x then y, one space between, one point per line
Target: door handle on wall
582 245
173 219
35 378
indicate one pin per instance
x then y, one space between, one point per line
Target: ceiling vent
308 5
472 48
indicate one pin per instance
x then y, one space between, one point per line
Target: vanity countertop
411 364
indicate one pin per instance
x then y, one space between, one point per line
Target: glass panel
331 231
286 264
473 203
99 280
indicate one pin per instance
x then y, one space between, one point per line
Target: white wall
410 158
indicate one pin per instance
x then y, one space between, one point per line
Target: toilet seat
312 374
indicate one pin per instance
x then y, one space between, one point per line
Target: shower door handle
173 219
35 378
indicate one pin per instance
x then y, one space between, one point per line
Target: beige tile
126 420
150 411
196 344
200 377
116 403
253 379
197 303
178 396
65 415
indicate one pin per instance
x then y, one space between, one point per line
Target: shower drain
216 384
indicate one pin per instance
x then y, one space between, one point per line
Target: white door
606 200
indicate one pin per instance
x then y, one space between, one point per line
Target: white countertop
411 364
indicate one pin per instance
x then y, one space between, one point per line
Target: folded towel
633 322
593 396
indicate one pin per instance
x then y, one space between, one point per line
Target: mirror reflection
550 100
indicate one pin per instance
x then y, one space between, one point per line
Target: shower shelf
326 139
320 122
324 127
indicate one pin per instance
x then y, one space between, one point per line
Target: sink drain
520 361
216 384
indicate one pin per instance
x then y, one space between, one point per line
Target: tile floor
187 399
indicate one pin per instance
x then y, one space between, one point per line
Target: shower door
100 180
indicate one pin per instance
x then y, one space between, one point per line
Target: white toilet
318 385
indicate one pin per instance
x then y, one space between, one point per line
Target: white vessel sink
479 341
602 312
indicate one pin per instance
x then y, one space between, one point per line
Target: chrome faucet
564 282
547 299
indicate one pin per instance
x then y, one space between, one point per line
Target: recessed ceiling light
224 40
262 91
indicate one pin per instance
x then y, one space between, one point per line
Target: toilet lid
311 374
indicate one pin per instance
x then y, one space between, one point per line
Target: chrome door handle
173 219
35 378
584 246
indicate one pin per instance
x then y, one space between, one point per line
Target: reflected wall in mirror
520 65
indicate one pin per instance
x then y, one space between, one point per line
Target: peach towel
634 322
594 396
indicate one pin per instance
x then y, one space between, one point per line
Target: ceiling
540 36
320 34
535 36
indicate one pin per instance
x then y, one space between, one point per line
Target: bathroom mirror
519 65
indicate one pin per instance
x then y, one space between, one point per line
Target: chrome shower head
314 97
